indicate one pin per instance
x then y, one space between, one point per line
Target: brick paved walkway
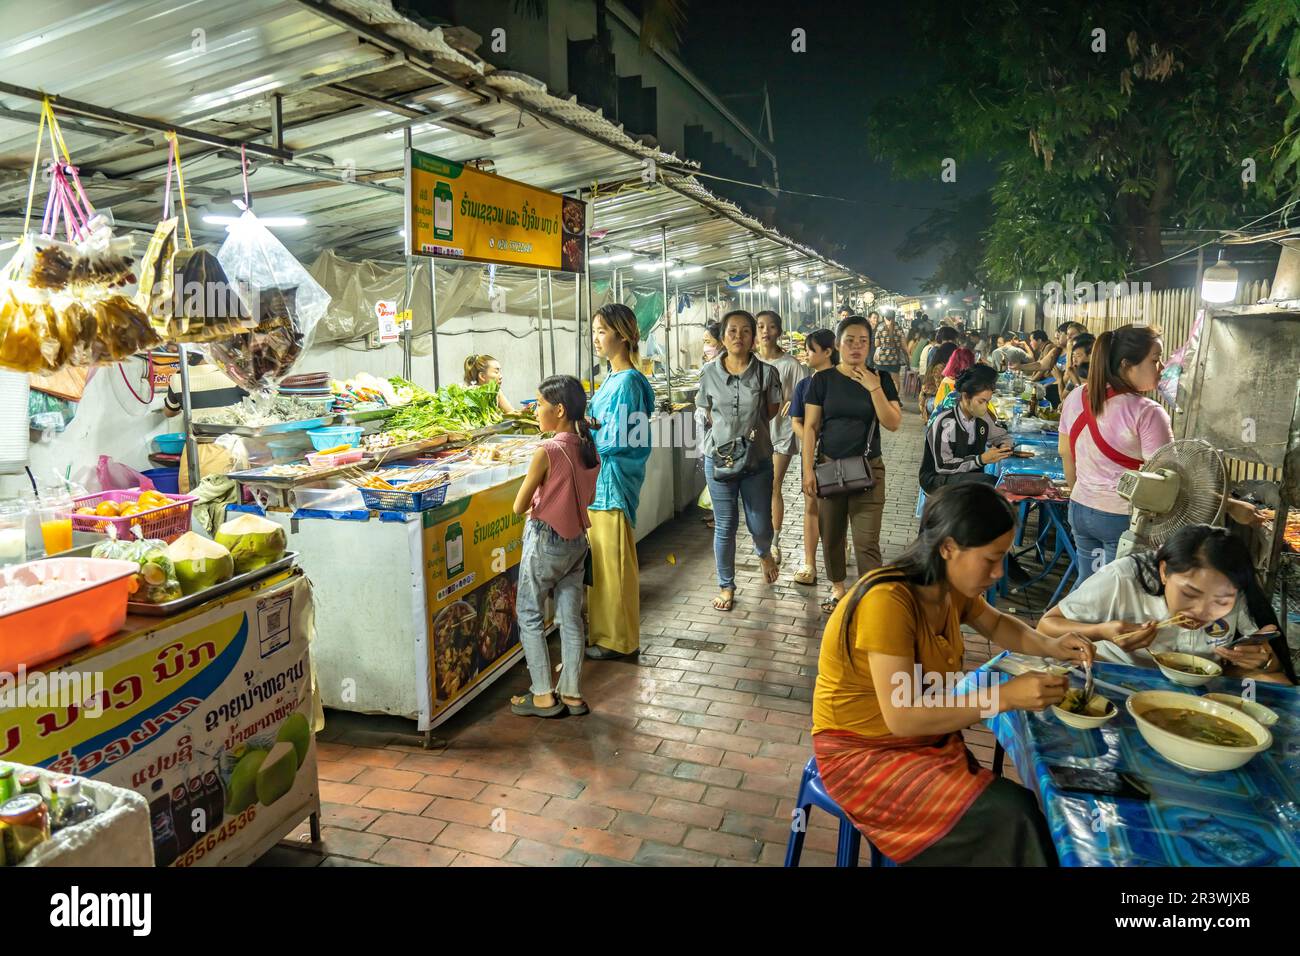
690 756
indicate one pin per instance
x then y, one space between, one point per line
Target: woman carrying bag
739 394
846 407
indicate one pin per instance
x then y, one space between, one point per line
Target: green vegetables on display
453 408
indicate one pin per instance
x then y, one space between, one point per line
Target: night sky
820 101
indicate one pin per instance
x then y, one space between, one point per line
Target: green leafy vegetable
453 408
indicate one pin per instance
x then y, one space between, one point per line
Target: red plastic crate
166 523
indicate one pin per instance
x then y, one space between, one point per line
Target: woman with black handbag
739 394
845 409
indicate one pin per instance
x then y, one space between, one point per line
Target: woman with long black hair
894 760
1201 572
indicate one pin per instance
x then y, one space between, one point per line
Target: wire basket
166 523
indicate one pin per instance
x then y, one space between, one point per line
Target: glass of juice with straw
56 522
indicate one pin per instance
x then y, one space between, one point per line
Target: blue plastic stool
812 793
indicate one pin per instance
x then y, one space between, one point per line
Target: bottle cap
68 787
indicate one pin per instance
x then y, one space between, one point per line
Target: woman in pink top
1107 428
556 492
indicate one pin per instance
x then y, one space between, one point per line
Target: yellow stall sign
458 212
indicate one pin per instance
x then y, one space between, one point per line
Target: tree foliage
1105 141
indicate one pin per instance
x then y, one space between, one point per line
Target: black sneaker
1016 574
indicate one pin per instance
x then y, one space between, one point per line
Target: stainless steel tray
257 431
194 600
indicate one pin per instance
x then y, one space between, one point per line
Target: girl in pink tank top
556 492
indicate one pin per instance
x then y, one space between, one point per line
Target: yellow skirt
614 599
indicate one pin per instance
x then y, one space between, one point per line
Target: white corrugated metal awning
350 76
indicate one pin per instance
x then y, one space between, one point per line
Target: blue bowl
170 444
322 438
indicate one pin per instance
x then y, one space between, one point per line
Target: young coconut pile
193 563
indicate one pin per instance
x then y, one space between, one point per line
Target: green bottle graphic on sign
442 204
453 543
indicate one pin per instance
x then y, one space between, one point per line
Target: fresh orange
151 499
129 510
85 510
107 509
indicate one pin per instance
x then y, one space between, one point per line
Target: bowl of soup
1186 669
1254 709
1197 733
1074 712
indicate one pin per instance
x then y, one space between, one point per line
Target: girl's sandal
525 705
805 575
830 603
576 710
721 603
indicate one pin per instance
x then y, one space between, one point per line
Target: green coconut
297 731
254 542
276 773
200 562
243 781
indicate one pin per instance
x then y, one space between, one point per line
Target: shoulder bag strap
1103 446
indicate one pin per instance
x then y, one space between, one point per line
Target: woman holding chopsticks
1196 595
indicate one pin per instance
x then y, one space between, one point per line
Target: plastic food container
54 626
170 444
340 497
333 461
168 522
322 438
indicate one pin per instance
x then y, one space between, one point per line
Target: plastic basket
56 626
167 523
378 499
322 438
316 459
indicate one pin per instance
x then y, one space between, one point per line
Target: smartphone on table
1103 783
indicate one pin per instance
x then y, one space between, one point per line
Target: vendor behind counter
209 388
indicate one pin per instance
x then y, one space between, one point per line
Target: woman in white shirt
1201 572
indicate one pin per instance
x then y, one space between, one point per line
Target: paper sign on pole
386 313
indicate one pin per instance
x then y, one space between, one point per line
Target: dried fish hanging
184 289
60 302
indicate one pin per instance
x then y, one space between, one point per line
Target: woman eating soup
895 763
1202 575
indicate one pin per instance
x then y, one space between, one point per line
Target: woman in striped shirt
887 717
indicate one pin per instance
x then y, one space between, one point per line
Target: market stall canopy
320 96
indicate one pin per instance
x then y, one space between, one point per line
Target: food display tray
207 594
257 431
360 418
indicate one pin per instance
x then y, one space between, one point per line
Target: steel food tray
257 431
369 415
207 594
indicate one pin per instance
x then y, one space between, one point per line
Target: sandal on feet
725 601
576 710
525 705
829 603
805 575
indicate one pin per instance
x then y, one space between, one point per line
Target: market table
1244 817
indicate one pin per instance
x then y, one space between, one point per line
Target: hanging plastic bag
1173 371
115 476
284 303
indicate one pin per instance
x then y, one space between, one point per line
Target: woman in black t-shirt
845 409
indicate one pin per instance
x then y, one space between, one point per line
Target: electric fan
1183 483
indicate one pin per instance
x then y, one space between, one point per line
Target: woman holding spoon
1197 595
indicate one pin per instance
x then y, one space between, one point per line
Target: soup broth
1200 727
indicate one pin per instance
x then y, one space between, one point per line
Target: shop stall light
800 288
268 221
774 292
650 266
1219 284
1022 302
613 257
822 287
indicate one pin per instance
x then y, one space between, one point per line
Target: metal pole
668 321
433 314
410 291
577 325
550 321
541 342
191 446
677 293
408 297
591 310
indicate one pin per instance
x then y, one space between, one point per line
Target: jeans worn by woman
754 493
1096 537
551 563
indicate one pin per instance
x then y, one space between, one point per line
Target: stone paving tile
692 753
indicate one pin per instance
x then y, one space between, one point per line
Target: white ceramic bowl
1191 754
1266 717
1086 721
1209 669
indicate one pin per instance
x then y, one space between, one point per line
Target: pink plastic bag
113 476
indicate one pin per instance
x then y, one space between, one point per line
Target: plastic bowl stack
14 392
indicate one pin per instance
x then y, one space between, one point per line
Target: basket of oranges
166 517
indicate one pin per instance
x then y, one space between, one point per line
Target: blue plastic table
1245 817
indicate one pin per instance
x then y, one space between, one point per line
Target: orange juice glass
57 535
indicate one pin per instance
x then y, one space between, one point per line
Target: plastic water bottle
71 808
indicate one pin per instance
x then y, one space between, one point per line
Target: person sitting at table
895 763
1076 368
1203 572
957 439
961 359
481 369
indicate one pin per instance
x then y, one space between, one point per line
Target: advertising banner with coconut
209 716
